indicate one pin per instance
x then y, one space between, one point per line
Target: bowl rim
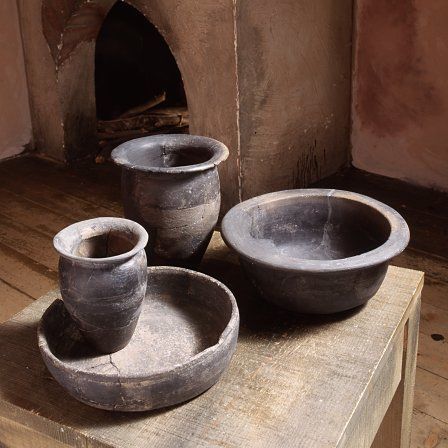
228 332
101 223
396 242
176 141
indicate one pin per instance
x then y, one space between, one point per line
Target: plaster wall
400 90
294 66
15 122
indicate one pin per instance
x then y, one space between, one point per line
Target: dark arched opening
138 86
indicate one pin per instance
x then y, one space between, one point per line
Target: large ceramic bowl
315 250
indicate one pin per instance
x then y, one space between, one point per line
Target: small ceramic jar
102 278
170 185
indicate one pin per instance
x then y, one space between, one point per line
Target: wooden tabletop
294 381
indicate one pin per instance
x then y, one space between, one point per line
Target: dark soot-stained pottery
315 251
102 277
185 338
170 185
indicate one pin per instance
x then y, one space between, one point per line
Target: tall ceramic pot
102 278
170 185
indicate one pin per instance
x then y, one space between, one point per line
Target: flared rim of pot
68 240
167 153
230 328
236 225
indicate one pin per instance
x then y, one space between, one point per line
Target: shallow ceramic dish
315 250
185 338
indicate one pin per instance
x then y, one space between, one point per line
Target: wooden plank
434 320
389 433
431 395
25 274
368 417
427 432
98 185
31 214
173 118
433 355
435 267
267 397
395 429
53 199
29 242
13 435
435 291
409 372
11 301
436 294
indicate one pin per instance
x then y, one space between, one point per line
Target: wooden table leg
395 430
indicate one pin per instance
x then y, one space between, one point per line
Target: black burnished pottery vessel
184 340
315 250
170 185
102 278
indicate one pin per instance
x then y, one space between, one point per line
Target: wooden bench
295 381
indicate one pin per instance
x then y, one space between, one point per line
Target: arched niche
134 66
80 71
59 42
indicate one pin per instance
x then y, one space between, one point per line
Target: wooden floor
38 198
